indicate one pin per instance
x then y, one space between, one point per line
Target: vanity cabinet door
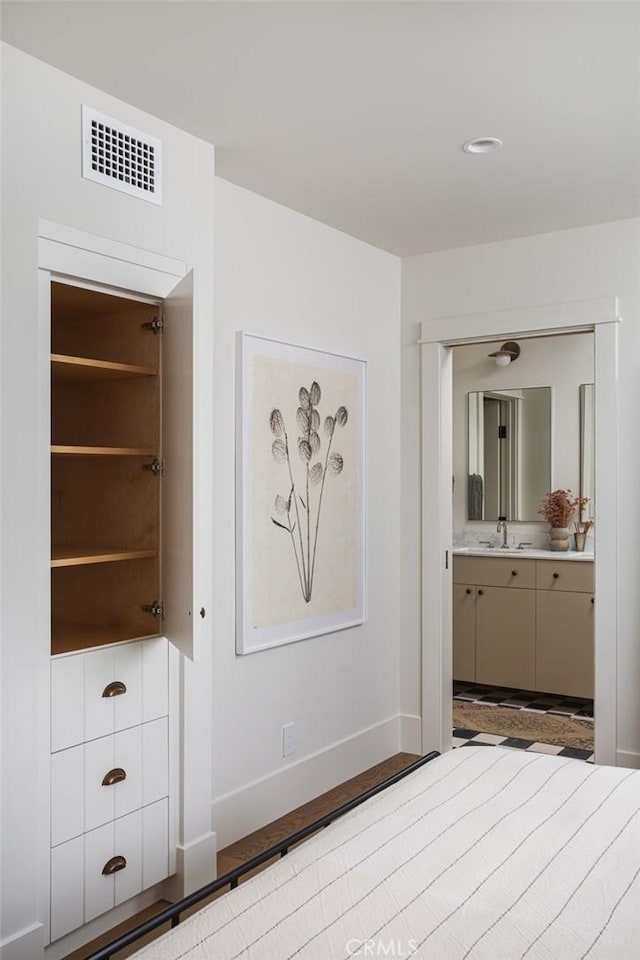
464 632
564 643
505 637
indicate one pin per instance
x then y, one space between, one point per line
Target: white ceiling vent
121 157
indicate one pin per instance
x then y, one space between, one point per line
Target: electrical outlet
288 739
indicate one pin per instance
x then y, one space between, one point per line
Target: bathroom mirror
509 453
587 448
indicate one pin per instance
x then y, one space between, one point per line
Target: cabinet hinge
156 467
156 325
156 609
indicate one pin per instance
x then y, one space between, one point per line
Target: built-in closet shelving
75 556
105 462
76 450
66 369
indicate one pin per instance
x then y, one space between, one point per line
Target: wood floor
242 850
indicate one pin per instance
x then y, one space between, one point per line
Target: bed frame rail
172 914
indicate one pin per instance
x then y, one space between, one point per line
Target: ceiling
355 112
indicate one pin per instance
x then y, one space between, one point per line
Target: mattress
482 853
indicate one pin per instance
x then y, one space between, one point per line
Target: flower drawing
299 511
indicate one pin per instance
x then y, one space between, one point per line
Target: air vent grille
120 157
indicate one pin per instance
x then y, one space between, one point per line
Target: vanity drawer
81 891
574 575
114 846
142 840
97 782
495 571
99 692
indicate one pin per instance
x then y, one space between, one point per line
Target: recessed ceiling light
482 145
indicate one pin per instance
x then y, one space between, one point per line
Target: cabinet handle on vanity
480 592
592 600
117 775
113 865
115 689
555 576
468 590
514 573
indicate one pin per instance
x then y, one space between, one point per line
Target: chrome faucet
502 525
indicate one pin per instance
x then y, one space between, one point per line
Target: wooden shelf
65 369
65 556
105 508
102 451
67 637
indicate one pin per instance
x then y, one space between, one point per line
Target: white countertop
583 557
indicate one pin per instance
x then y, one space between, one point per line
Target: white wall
562 363
41 179
284 276
580 264
278 274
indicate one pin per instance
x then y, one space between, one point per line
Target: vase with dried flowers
558 507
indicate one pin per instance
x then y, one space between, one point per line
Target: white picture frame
300 493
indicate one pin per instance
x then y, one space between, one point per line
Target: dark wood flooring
242 850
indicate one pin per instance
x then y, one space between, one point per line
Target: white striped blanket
482 853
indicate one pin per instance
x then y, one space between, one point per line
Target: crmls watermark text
381 948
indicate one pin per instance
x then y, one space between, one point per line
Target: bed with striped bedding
482 853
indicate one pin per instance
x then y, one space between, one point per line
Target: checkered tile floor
522 700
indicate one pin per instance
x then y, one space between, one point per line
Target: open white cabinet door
177 481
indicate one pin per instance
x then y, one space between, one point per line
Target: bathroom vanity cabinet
494 621
524 623
564 628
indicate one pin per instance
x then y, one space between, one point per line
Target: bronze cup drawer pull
115 689
113 865
117 775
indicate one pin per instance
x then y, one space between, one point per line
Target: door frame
438 336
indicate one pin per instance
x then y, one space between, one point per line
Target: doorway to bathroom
522 604
599 317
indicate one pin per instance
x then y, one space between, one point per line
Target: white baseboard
195 866
410 733
27 944
627 758
242 811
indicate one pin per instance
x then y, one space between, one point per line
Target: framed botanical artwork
300 493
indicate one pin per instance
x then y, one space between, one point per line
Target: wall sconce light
507 353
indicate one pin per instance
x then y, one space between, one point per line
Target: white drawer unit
109 779
96 871
96 782
101 691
